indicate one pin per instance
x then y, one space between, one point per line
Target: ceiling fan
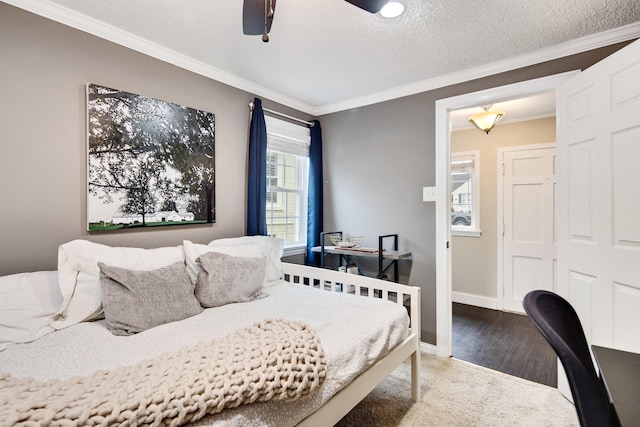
257 15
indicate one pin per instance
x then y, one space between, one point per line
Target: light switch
428 194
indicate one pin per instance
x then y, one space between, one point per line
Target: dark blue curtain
257 179
315 217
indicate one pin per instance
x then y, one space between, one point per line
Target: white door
599 198
528 231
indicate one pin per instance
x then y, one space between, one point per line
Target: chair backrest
559 324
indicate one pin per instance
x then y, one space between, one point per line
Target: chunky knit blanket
273 359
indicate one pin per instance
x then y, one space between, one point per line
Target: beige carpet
456 393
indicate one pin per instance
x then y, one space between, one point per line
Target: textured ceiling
327 55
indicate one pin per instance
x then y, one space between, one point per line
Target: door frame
500 213
443 176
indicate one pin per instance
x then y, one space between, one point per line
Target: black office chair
558 322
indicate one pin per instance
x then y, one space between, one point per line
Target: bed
366 327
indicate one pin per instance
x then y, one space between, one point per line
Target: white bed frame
347 398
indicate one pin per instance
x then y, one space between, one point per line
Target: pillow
28 302
270 247
136 300
193 251
79 275
225 279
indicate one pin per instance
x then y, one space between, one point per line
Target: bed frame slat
361 286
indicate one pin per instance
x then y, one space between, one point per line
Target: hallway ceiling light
486 120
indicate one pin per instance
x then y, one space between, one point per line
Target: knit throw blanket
273 359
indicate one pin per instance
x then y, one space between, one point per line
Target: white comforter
354 332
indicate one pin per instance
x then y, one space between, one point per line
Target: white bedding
354 332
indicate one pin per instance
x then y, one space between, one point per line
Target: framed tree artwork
149 162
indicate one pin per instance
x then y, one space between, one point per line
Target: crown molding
92 26
583 44
66 16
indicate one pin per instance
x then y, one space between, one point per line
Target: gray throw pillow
225 279
135 300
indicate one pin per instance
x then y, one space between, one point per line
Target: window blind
287 137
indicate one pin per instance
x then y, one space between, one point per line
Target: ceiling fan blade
372 6
253 16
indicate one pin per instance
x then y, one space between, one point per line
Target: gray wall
377 159
45 67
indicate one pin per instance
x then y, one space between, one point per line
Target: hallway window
465 193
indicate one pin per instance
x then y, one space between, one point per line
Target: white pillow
79 275
28 302
192 252
270 247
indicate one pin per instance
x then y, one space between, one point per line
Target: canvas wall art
150 162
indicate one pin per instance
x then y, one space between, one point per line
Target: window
287 177
465 193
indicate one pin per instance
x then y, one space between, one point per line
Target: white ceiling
328 55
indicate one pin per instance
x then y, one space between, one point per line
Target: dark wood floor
505 342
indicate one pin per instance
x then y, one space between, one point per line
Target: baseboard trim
475 300
427 348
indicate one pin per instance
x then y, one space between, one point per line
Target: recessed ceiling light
392 9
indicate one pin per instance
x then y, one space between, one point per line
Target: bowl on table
344 244
346 241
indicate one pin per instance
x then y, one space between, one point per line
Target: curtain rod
310 124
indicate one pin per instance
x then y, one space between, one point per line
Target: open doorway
501 181
444 108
